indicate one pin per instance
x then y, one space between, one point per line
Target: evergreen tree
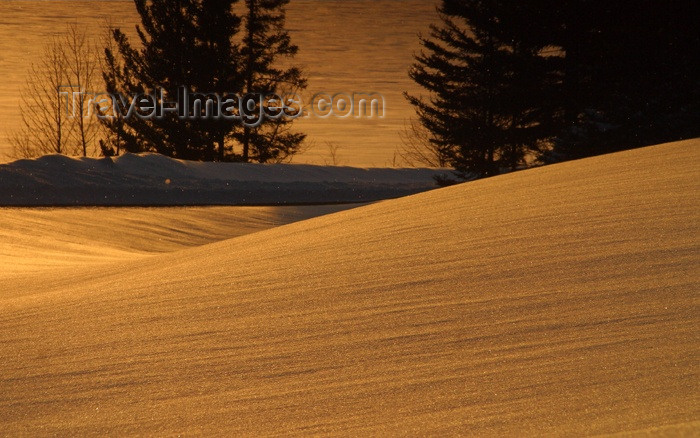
219 65
489 84
629 75
586 76
116 137
186 47
266 47
194 47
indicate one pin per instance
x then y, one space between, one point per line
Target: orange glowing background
345 46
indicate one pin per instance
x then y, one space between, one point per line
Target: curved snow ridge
38 240
153 179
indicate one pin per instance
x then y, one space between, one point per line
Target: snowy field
561 300
152 179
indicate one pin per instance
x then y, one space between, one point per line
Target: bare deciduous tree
54 105
417 149
44 128
333 159
81 65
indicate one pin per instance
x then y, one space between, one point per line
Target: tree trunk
221 148
250 41
246 143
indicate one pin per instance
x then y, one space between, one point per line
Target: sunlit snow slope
558 300
34 241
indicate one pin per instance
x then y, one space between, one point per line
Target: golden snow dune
560 300
34 241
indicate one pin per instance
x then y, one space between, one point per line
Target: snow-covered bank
151 179
557 301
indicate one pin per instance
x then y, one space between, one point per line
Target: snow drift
35 241
560 300
152 179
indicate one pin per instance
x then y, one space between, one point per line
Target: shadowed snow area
560 300
152 179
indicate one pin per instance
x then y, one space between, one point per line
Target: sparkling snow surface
41 239
560 300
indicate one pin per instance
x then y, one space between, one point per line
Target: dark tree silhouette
490 87
630 75
186 47
196 47
557 79
266 46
